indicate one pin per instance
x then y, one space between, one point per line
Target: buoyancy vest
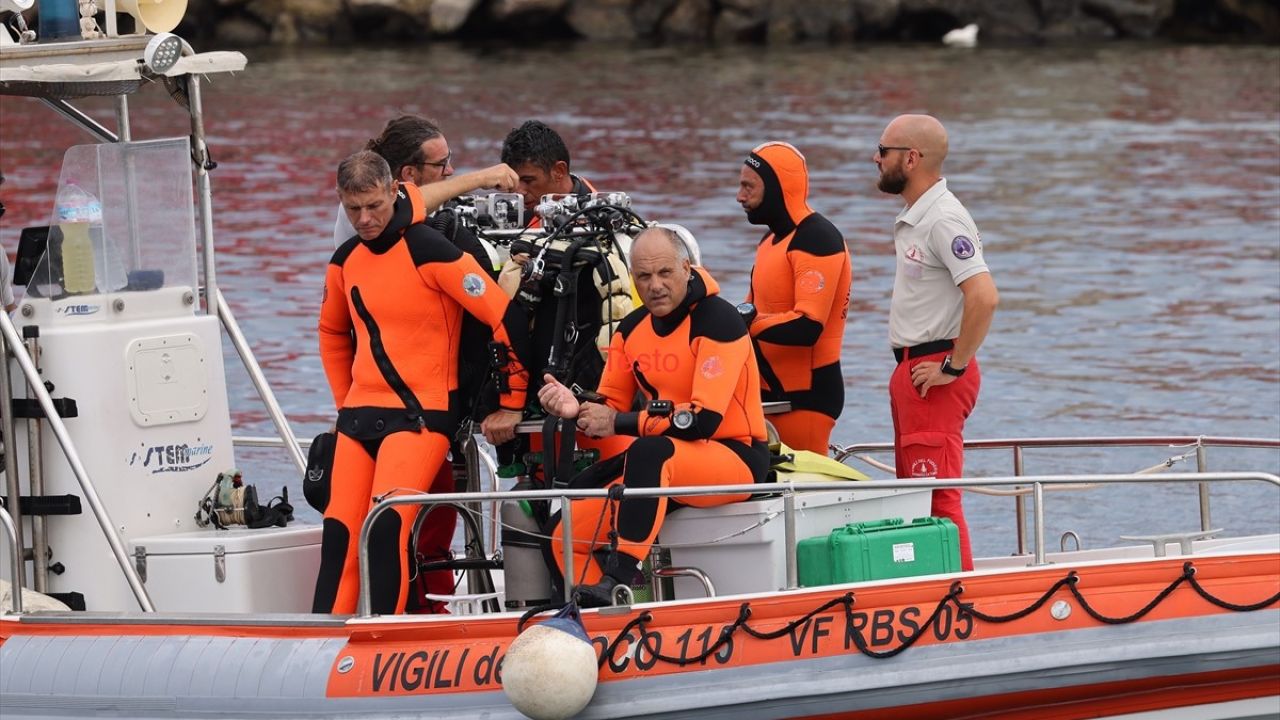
598 298
698 357
403 294
799 285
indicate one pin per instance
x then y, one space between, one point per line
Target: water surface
1128 198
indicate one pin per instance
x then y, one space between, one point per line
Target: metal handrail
1084 441
287 438
788 491
9 428
73 459
15 560
267 441
1018 445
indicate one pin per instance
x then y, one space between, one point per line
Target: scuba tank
527 579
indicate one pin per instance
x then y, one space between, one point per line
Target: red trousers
928 435
434 543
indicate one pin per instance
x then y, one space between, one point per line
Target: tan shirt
938 247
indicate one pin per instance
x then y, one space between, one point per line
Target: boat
170 619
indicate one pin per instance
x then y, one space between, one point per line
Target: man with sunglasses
942 305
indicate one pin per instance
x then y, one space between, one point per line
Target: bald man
942 305
688 352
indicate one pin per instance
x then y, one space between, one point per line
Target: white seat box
237 570
755 561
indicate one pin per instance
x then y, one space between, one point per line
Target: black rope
968 607
846 600
861 642
607 654
726 634
1070 581
1190 574
537 610
1075 591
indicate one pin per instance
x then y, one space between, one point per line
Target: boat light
163 51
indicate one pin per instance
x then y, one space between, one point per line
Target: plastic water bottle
59 19
76 211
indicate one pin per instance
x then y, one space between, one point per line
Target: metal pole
79 119
259 381
1202 465
205 195
566 530
494 507
15 560
130 178
1039 500
82 476
122 118
789 536
11 462
655 564
35 471
1020 503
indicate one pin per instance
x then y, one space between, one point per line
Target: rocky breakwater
254 22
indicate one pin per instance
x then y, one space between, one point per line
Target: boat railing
788 491
15 560
1196 445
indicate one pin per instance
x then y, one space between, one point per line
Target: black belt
929 348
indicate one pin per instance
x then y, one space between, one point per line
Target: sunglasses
442 164
884 149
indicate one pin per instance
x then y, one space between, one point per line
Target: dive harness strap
557 464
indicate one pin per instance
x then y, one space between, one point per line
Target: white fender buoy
31 600
966 36
550 670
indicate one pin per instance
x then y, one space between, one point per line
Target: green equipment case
878 550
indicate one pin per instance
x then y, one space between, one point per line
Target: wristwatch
748 312
952 371
682 419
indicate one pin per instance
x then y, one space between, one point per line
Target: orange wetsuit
800 288
394 382
698 357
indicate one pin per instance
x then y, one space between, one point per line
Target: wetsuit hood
786 188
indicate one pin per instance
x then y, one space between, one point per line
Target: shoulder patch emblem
812 281
962 247
712 368
473 284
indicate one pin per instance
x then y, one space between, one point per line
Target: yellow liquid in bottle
77 259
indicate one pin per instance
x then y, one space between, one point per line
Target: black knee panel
645 458
333 554
384 563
